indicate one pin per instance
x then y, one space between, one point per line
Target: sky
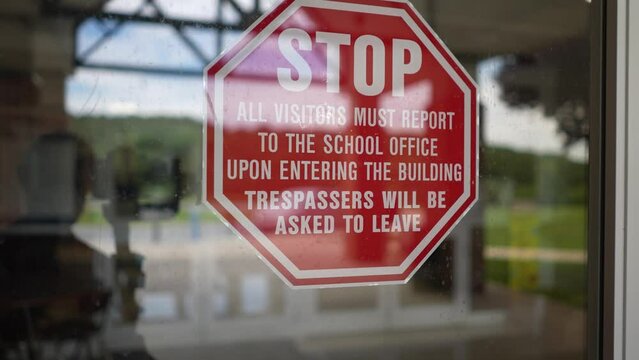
525 129
103 92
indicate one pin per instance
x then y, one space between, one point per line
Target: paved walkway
539 254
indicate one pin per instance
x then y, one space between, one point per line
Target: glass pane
106 248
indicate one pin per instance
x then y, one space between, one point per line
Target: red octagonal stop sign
341 141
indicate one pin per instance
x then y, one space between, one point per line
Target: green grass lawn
560 227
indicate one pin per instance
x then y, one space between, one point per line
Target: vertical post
628 121
468 264
462 271
219 33
620 291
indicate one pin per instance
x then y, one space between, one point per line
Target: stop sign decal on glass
341 141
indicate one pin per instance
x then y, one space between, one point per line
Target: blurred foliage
150 138
544 179
555 79
179 135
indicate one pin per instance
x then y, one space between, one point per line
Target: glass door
107 251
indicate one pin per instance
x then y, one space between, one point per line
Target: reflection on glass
106 250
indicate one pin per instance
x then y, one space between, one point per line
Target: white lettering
285 75
402 68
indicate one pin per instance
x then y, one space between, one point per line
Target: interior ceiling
470 28
487 27
492 27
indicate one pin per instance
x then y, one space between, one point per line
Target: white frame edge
626 301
